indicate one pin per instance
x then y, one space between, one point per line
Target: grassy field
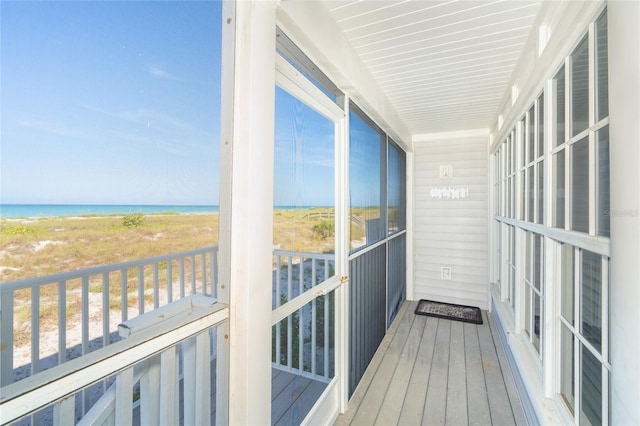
36 247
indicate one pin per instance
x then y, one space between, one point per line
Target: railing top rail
322 256
26 396
80 273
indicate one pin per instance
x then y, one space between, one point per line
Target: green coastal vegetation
32 247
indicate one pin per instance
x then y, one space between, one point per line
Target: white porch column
624 108
246 239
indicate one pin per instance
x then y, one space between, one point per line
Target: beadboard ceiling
444 65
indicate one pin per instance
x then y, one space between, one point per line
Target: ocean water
52 210
56 210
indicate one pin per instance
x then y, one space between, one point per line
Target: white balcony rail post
6 337
169 390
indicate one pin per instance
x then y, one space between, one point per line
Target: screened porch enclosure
373 154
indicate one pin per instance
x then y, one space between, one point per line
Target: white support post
624 110
342 257
246 205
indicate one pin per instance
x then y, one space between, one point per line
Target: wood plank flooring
433 371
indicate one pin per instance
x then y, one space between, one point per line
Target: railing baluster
301 341
290 317
326 269
105 310
314 326
314 278
203 387
106 313
64 412
150 393
189 379
35 330
6 337
124 397
289 277
301 327
169 280
156 287
203 272
85 315
214 274
62 322
277 304
327 315
85 334
169 388
278 282
181 277
123 295
193 273
140 289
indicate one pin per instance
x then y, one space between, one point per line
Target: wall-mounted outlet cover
445 273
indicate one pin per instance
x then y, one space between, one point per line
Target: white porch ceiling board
424 27
443 65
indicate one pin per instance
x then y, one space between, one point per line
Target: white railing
149 355
307 349
88 305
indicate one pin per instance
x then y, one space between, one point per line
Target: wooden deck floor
434 371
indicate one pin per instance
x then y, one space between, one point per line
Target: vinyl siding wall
451 232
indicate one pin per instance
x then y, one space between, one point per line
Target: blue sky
304 155
119 103
110 102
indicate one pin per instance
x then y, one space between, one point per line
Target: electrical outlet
445 273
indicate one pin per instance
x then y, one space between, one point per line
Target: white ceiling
444 65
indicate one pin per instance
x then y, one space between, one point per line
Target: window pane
541 125
591 389
537 315
580 87
512 279
580 186
529 259
540 192
591 300
530 193
567 359
602 78
367 157
527 310
303 178
567 283
603 204
509 197
531 134
397 192
523 183
559 188
537 261
560 106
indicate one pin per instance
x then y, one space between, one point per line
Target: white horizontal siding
451 233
